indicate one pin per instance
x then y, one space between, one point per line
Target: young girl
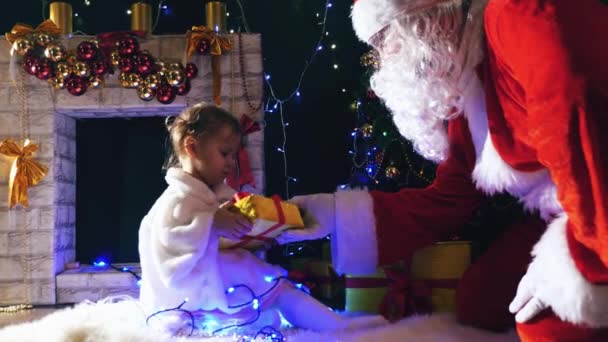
178 238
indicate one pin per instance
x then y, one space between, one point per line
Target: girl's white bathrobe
180 257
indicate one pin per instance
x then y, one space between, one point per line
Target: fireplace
36 246
118 177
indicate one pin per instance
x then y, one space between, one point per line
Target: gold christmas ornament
55 52
81 69
152 81
58 83
174 66
71 58
370 59
96 82
26 31
175 77
134 80
62 70
115 57
23 46
392 172
367 130
123 79
145 93
43 39
162 68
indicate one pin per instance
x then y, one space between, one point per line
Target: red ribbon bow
405 296
301 277
107 40
261 236
312 280
242 174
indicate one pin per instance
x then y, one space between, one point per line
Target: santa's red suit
535 126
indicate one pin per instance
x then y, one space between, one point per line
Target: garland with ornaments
87 66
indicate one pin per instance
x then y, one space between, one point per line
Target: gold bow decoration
23 30
24 173
218 45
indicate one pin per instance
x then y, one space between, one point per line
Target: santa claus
507 96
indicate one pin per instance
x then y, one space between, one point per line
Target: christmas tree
382 158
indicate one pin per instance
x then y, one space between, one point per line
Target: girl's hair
198 120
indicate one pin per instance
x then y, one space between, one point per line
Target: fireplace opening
119 176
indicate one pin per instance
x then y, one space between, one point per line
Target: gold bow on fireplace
25 171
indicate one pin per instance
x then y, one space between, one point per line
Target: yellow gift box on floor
438 267
365 293
270 216
444 262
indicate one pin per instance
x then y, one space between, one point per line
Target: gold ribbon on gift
218 45
23 30
24 173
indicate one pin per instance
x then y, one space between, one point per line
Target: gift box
270 216
441 266
426 284
365 293
324 276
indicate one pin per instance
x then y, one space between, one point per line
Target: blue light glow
100 263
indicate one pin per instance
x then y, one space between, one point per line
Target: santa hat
371 16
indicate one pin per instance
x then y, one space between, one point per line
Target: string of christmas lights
275 103
100 263
267 331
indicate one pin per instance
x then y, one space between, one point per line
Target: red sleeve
557 52
413 218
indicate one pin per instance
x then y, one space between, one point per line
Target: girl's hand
230 224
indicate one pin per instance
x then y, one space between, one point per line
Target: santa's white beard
411 109
426 62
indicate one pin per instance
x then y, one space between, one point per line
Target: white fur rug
124 321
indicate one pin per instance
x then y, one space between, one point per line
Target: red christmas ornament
44 69
203 47
184 88
145 63
126 64
190 70
30 65
371 94
86 51
165 94
127 46
98 68
76 85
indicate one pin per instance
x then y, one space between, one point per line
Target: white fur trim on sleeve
561 285
354 243
493 175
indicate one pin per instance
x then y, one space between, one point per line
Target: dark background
119 160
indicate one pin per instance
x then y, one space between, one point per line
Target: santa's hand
526 305
318 215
